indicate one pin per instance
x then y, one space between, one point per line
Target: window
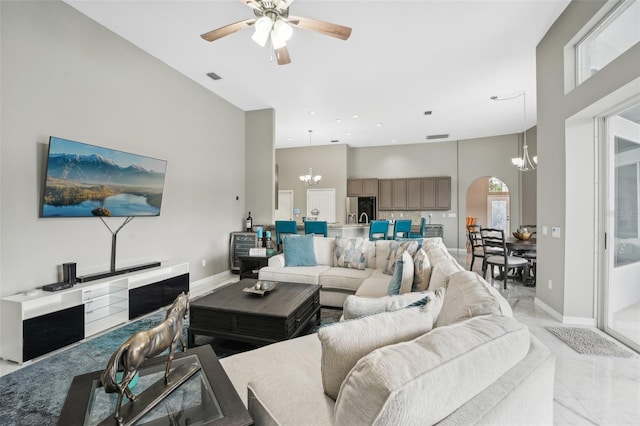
496 185
610 38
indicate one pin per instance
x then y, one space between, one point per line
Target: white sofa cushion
293 274
467 296
441 271
420 382
344 343
324 250
343 278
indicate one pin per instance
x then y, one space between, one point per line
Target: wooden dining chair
494 239
475 245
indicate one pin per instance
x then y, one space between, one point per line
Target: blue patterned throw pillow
350 253
299 250
396 248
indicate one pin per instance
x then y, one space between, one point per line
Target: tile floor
589 390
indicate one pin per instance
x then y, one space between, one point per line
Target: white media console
40 322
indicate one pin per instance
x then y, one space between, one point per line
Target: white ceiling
403 58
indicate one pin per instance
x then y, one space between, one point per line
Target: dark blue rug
34 395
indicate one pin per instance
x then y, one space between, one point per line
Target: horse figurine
142 345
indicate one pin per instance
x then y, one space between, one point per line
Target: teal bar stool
285 227
419 234
315 227
378 230
401 229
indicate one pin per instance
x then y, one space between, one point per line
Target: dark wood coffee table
230 313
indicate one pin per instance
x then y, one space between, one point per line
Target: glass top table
206 398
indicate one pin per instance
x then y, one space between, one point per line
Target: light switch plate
555 231
545 230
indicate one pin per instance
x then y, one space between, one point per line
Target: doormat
588 342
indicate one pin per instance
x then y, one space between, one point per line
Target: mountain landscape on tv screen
92 185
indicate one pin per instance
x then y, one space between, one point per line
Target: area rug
588 342
34 395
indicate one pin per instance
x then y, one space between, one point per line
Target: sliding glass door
622 254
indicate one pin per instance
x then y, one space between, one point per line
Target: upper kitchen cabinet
362 187
385 194
436 193
414 194
399 195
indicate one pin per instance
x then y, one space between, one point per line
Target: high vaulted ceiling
402 59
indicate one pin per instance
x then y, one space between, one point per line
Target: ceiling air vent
443 136
335 140
213 76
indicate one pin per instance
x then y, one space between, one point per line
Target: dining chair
475 245
420 233
378 230
494 238
315 227
285 227
401 229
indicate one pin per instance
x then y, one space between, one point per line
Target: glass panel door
498 212
622 278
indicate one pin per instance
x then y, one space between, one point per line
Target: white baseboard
591 322
210 283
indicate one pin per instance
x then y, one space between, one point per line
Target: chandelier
524 163
309 178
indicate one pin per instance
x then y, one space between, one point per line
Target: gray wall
567 180
260 166
62 74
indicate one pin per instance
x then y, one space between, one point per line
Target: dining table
527 249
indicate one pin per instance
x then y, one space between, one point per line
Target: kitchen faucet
366 217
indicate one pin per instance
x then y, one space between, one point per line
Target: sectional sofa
451 354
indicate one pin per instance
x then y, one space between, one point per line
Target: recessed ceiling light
393 141
289 138
349 134
428 112
338 120
355 116
312 113
378 124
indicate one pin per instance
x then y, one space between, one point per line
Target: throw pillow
396 248
299 250
396 279
422 271
356 306
349 253
344 343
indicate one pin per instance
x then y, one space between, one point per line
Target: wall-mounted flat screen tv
85 180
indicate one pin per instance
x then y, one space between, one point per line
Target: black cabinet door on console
148 298
46 333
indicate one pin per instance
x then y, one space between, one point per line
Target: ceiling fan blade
228 29
253 4
282 55
326 28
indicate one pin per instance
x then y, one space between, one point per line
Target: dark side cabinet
49 332
148 298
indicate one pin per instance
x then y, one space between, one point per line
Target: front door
498 212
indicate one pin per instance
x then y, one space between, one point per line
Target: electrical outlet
452 215
204 262
550 284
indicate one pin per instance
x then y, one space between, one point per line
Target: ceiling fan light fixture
283 30
277 41
263 28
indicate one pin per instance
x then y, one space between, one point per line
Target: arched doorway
489 203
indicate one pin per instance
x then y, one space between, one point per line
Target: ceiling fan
273 21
